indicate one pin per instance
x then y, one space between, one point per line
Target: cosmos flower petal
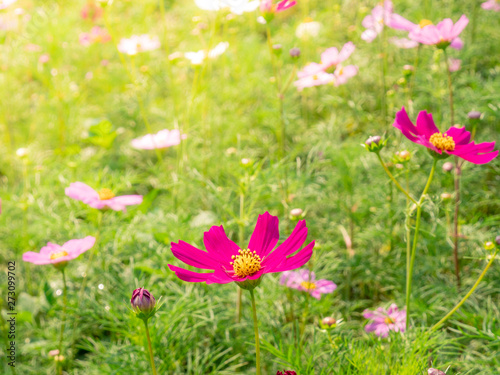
457 43
81 192
296 261
193 256
459 135
400 23
403 123
50 248
459 26
265 235
425 124
190 276
217 243
79 246
36 258
475 158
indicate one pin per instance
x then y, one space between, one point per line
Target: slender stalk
256 329
409 274
394 180
458 173
447 316
63 325
383 74
150 349
408 228
241 239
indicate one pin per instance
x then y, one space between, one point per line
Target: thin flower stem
150 349
394 180
63 325
447 316
450 88
409 273
241 239
408 228
383 74
256 329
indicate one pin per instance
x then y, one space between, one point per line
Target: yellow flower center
308 285
58 255
424 23
389 320
246 263
105 194
442 142
308 19
340 71
315 77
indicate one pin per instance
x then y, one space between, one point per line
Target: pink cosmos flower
96 35
91 11
163 139
343 73
321 78
244 266
43 59
403 42
455 141
6 3
442 35
433 371
138 43
384 320
493 5
331 57
267 6
381 15
455 64
102 199
305 280
53 253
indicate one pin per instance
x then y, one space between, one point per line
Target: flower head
138 43
433 371
269 9
455 141
105 198
163 139
197 58
6 3
245 266
286 372
96 35
381 15
384 320
493 5
308 28
442 35
330 58
60 255
91 11
305 280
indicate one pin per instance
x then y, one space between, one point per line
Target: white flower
241 6
197 58
138 43
209 4
5 3
308 29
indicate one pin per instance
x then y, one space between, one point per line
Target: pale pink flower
33 47
96 35
105 198
43 59
197 58
493 5
305 280
384 320
442 35
53 253
343 73
163 139
138 43
403 42
331 57
433 371
455 64
6 3
321 78
381 15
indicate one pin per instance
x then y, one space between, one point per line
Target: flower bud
448 166
289 372
474 115
408 70
277 48
328 321
294 53
488 245
445 196
143 303
497 240
402 156
374 143
296 213
22 152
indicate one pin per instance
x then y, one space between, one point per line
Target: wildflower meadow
265 187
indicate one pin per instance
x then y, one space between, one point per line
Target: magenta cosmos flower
455 141
442 35
102 199
163 139
53 253
243 265
267 6
493 5
305 280
384 320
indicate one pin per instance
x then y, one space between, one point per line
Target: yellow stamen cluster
442 142
308 285
424 23
315 77
58 255
105 194
246 263
389 320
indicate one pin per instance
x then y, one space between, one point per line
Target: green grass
234 105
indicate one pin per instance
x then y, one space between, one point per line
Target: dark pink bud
142 301
286 373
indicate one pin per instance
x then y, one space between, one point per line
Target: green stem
383 74
394 180
450 88
63 325
241 239
447 316
409 274
150 349
256 329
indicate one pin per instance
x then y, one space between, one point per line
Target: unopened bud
143 303
488 245
294 52
245 162
403 156
277 48
497 240
328 321
374 143
445 196
474 115
408 69
448 166
22 152
296 212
